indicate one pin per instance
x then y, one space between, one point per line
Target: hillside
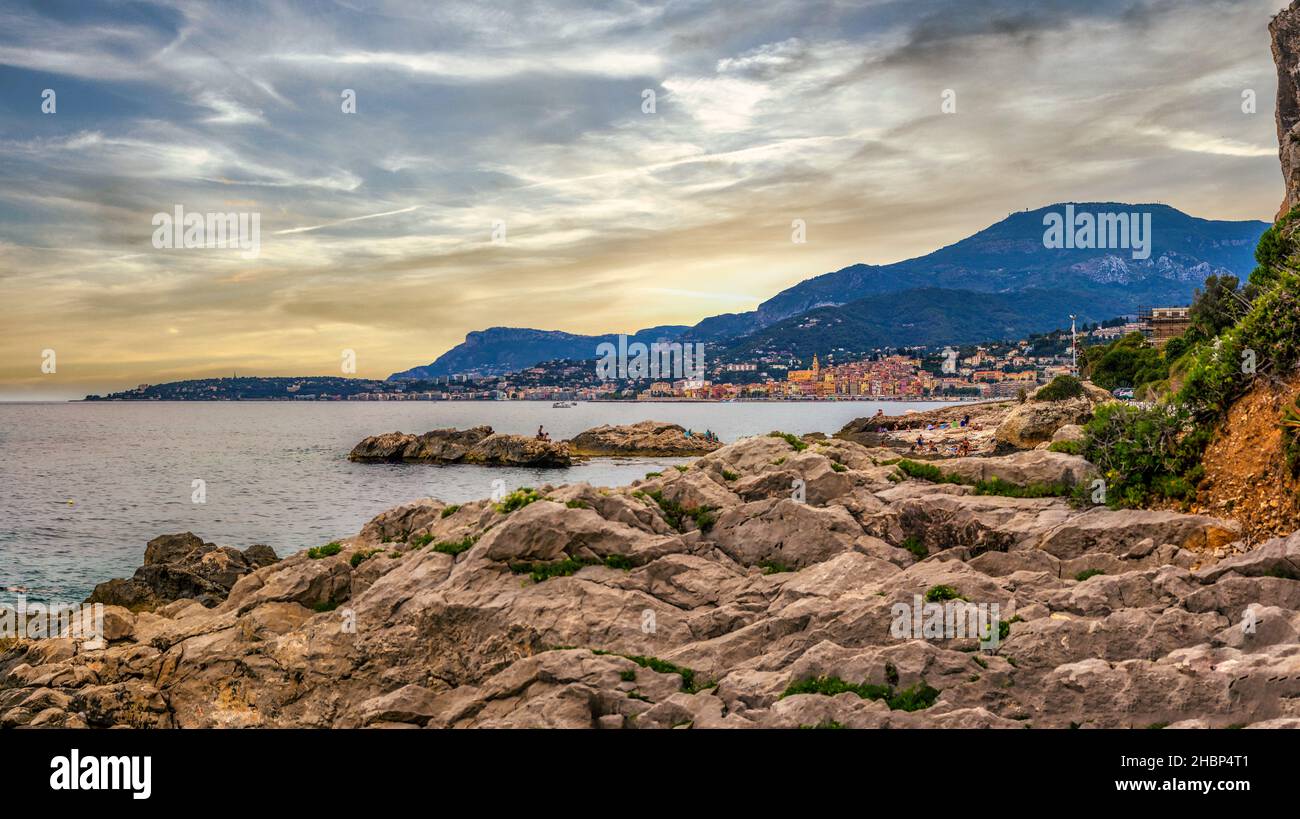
925 316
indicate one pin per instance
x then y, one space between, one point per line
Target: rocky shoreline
757 586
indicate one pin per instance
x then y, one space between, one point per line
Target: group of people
931 426
542 435
706 435
961 449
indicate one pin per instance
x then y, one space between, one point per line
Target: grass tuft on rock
915 698
518 499
328 550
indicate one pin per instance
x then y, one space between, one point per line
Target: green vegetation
1068 447
918 549
421 541
1061 388
1155 453
619 562
448 511
362 556
681 468
628 676
936 594
839 467
825 724
455 547
773 567
328 550
577 504
1291 436
323 606
689 684
1087 573
793 440
518 499
728 475
653 475
915 698
992 486
1125 362
677 515
542 570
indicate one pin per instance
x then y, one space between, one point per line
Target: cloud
376 226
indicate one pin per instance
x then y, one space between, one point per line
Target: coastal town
989 370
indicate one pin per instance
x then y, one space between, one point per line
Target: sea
83 486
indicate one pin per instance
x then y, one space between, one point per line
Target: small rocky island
481 445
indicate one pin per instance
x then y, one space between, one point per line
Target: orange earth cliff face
1246 474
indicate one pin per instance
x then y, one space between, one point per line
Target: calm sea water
84 486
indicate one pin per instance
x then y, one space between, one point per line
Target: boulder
1024 468
182 567
649 438
1034 422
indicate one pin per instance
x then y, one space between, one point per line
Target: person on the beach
541 434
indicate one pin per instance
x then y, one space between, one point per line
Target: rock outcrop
646 438
182 567
1035 422
478 445
1285 33
739 591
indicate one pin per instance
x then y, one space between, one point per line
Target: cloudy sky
377 227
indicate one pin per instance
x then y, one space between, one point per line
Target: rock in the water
648 438
478 445
182 567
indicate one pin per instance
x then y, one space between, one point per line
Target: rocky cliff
1285 33
759 587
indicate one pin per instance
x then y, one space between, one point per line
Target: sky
502 166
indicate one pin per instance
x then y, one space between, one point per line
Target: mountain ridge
1010 256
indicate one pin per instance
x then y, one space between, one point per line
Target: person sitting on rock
541 434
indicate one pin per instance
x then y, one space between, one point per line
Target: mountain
1010 259
506 349
930 316
1011 255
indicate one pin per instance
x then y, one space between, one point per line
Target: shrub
577 504
918 549
915 698
677 515
727 474
1068 447
362 556
455 547
936 594
328 550
518 499
421 541
773 567
619 562
1087 573
793 440
541 571
839 467
448 511
1061 388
